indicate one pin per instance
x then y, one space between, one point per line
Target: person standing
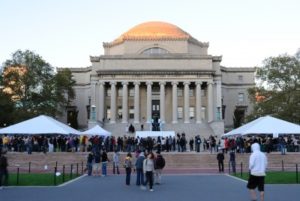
96 164
3 170
220 158
128 167
148 168
116 160
159 164
257 165
232 161
104 160
139 169
89 163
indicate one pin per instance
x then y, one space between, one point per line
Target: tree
34 87
278 89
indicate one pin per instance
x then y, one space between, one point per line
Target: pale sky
66 32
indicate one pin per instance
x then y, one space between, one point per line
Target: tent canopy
39 125
96 130
266 125
145 134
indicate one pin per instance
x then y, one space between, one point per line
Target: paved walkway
173 188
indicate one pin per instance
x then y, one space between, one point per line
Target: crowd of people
179 143
147 166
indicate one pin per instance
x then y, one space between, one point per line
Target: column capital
186 83
210 82
137 82
93 82
175 83
162 83
199 83
125 83
112 82
101 82
149 83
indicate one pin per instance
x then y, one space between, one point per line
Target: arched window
155 50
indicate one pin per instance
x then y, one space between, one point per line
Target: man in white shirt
257 166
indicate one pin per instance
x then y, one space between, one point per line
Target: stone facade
158 72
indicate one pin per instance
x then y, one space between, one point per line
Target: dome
153 31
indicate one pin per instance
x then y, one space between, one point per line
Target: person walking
159 164
3 170
148 168
116 160
257 165
128 167
139 169
220 158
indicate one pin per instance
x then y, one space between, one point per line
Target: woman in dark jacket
104 163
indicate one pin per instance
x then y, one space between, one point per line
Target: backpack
127 163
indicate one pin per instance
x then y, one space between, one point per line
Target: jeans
128 173
116 166
221 166
3 177
139 177
89 168
104 168
149 176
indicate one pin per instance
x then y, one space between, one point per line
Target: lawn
37 179
275 177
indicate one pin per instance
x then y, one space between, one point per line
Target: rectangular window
192 112
120 112
108 113
179 92
108 92
120 92
131 92
241 97
191 92
180 112
131 112
241 78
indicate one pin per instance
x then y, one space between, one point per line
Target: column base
91 124
124 122
112 122
136 121
186 122
198 122
174 122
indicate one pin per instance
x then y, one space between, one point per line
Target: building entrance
155 115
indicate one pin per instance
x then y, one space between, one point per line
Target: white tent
145 134
39 125
96 130
266 125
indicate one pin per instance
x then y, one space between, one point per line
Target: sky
66 32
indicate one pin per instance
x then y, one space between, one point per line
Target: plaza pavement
197 187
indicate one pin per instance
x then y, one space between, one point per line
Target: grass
37 179
275 177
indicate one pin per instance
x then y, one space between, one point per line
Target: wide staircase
177 163
191 129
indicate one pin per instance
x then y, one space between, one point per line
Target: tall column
186 102
149 101
136 102
125 103
219 100
93 116
113 109
162 101
198 102
101 100
174 102
210 101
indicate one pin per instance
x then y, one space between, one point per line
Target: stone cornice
237 69
156 72
77 70
153 57
238 84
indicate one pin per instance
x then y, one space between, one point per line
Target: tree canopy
33 87
278 90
